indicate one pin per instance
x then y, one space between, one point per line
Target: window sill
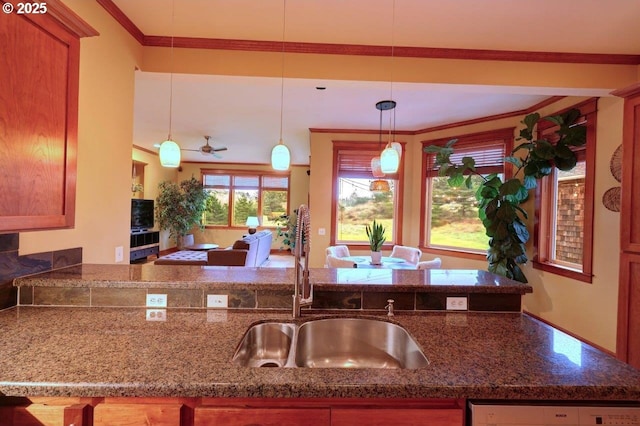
455 253
564 272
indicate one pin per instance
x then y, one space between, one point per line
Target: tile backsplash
12 265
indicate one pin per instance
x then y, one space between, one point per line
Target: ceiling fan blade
186 149
222 148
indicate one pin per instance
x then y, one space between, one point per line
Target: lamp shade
169 154
398 147
280 157
379 185
376 170
252 222
389 160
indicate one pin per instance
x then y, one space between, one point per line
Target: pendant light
280 155
390 156
380 185
169 150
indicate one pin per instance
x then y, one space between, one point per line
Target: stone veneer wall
12 265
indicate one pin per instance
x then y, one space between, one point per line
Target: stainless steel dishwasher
524 414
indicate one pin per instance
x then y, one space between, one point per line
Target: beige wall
299 189
105 128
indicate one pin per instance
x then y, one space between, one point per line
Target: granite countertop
157 276
89 352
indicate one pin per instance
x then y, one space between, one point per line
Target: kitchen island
110 360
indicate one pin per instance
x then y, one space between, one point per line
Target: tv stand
143 244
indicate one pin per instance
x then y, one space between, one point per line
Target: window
450 219
354 206
564 208
234 196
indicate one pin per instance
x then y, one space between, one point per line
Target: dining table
364 262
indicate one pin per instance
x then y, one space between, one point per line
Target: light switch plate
456 303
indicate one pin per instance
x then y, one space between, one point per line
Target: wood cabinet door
38 123
396 416
137 415
235 416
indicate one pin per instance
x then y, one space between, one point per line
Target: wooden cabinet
39 117
230 411
210 416
628 338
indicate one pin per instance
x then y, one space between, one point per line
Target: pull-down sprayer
302 291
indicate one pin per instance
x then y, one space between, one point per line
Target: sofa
251 250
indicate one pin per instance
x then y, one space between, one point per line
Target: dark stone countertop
157 276
89 352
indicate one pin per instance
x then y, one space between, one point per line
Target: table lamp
252 223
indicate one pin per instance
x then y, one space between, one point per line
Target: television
141 215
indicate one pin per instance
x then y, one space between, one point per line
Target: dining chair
430 264
338 251
337 262
410 254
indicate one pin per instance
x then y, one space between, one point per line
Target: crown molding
364 50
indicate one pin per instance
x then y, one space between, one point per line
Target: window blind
357 164
489 157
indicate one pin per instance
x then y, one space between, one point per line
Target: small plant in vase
375 233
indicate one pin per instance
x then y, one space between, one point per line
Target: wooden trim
364 50
522 112
66 18
543 191
451 253
564 330
147 150
629 236
122 19
627 92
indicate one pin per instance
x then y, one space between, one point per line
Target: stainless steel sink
265 345
356 343
330 343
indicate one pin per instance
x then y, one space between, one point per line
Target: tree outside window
234 196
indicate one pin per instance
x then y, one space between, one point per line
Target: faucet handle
389 307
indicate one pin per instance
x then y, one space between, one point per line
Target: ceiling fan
208 149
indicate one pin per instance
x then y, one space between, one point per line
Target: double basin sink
329 343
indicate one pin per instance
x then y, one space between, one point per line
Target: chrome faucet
389 307
302 291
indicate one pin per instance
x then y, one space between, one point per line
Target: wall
105 128
299 188
154 173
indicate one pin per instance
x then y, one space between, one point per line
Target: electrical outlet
322 231
456 303
217 301
119 254
156 300
156 314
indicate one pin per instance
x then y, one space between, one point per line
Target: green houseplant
499 201
179 207
375 233
286 229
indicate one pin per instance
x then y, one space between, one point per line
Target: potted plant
286 230
179 207
375 233
499 202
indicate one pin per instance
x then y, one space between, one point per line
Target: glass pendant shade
376 170
398 147
169 154
389 160
280 157
379 185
